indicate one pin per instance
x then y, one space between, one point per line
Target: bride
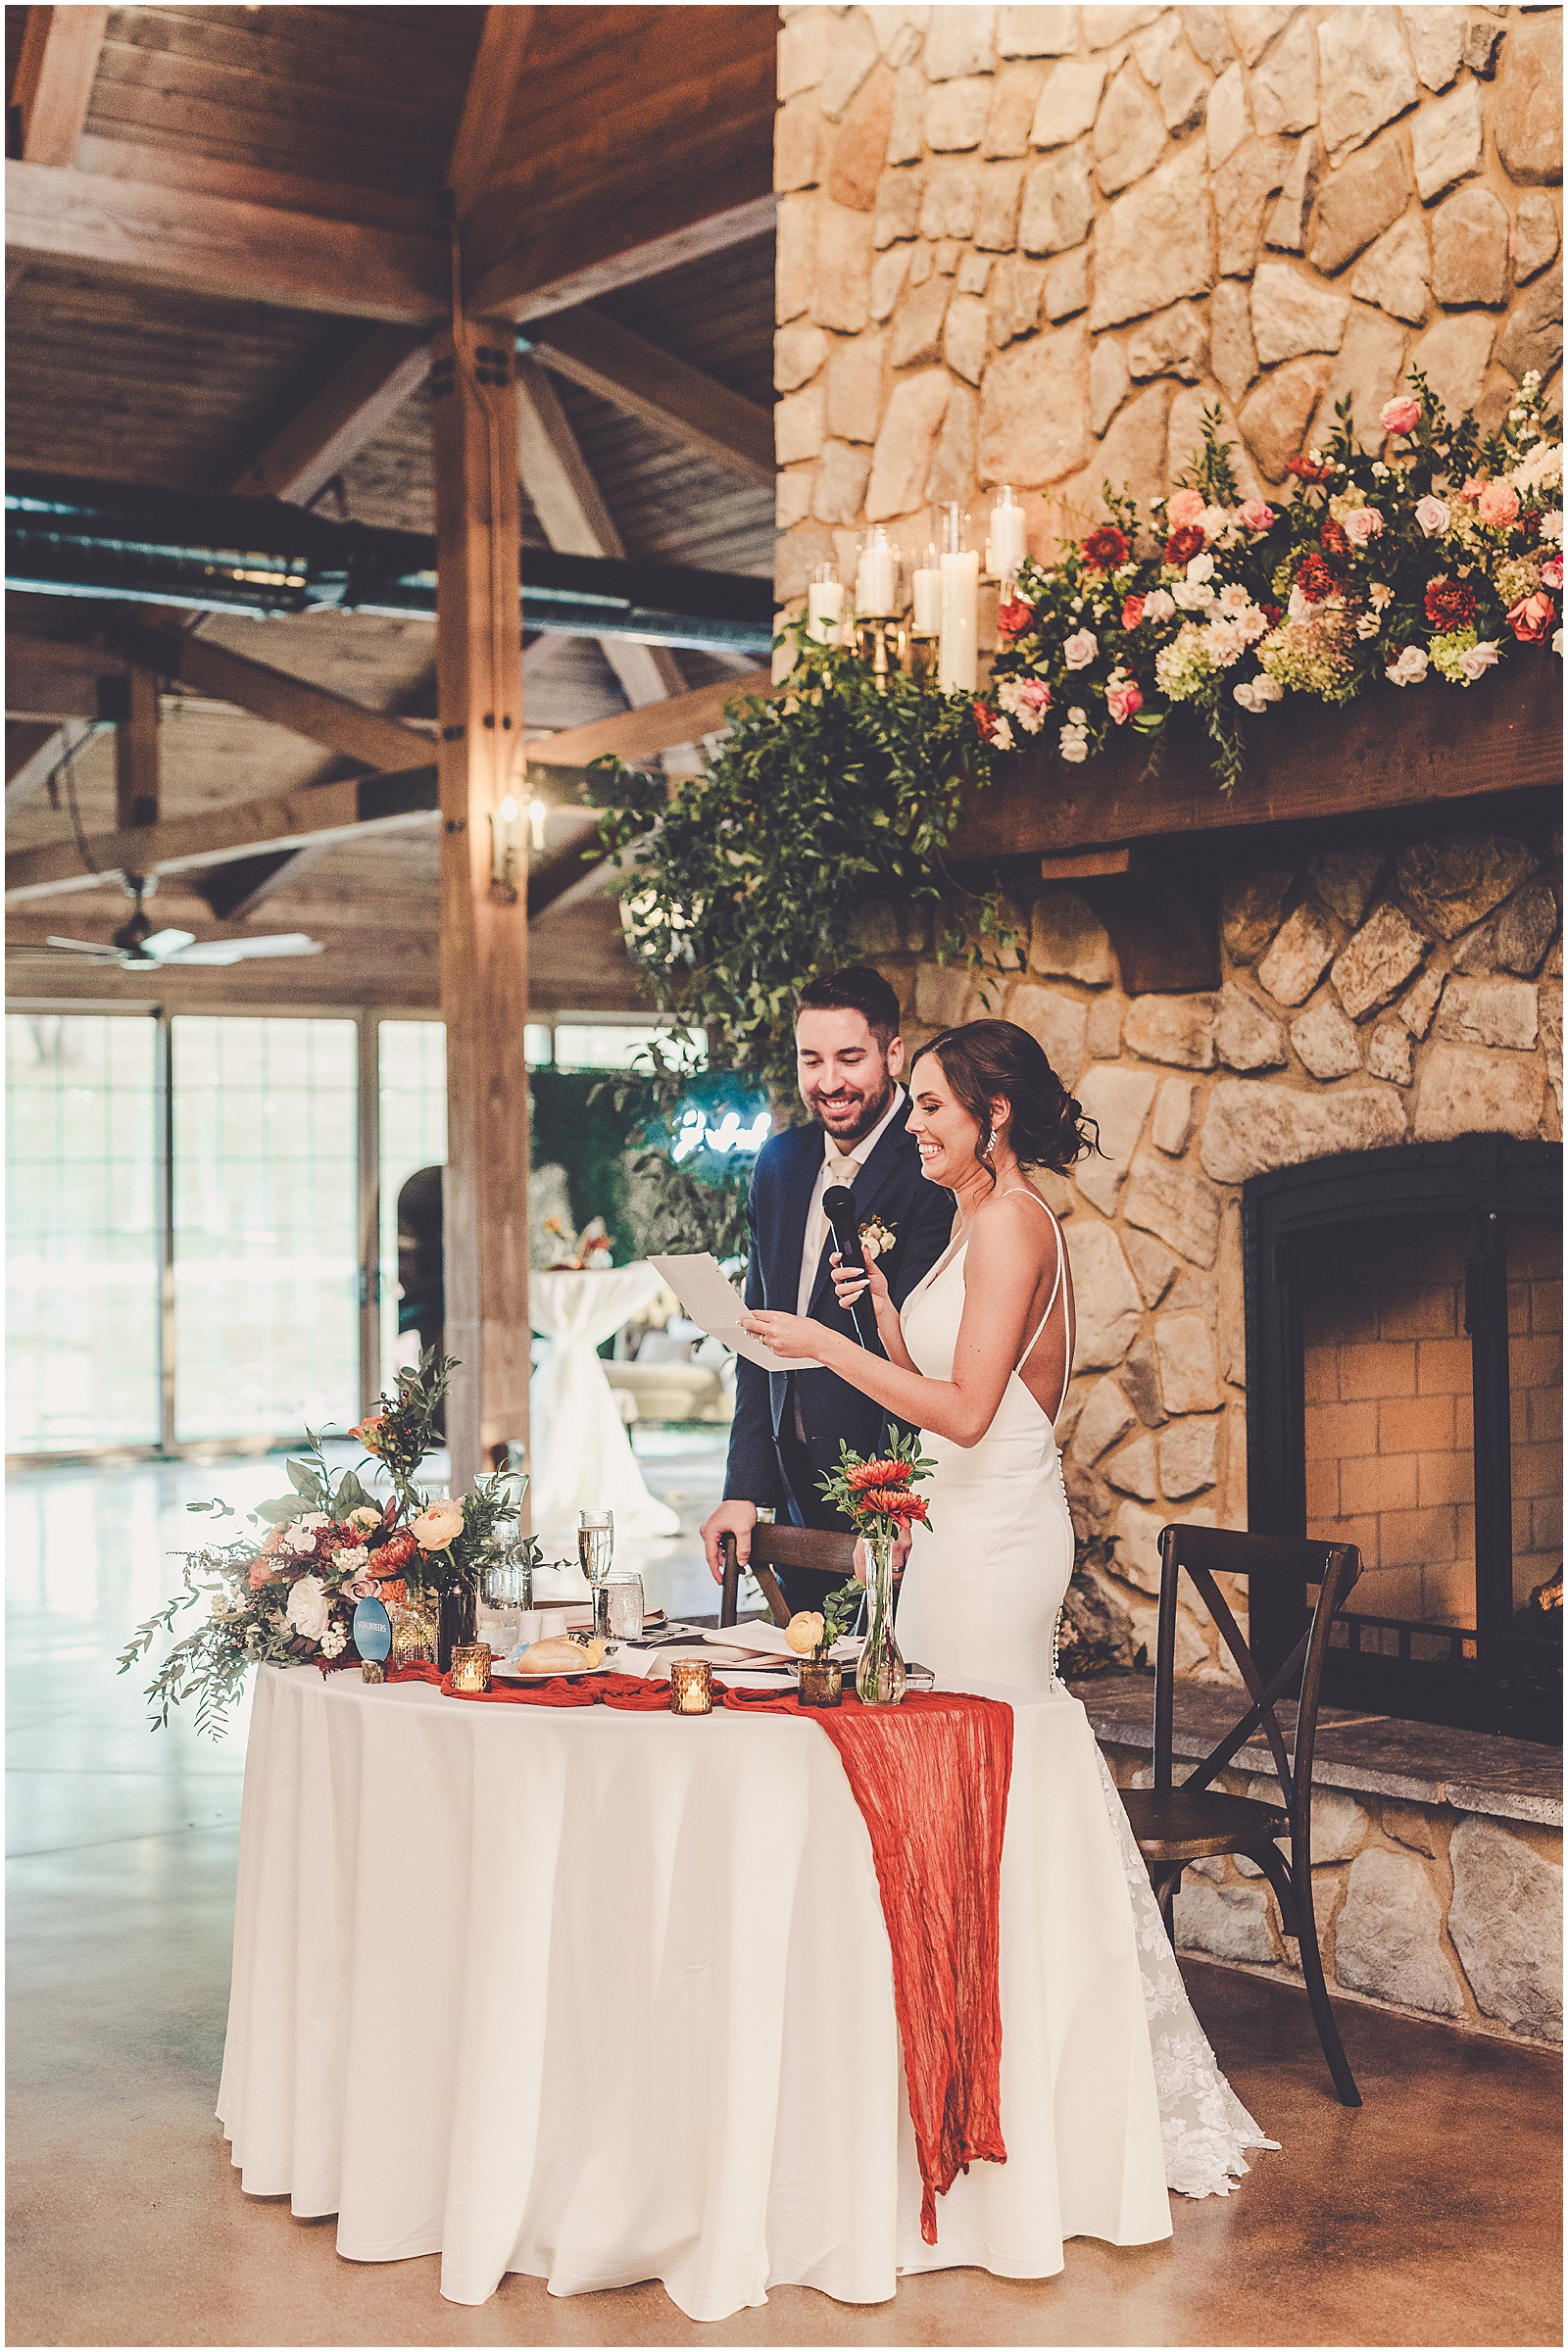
979 1361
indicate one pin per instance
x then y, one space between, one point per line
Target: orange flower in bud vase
368 1431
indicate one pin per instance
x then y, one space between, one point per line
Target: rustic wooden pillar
484 923
136 792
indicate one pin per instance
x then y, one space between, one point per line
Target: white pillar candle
1007 546
960 623
876 579
824 609
927 604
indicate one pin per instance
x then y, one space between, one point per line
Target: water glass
624 1602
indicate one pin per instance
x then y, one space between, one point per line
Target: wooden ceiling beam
215 245
43 750
347 414
321 813
487 103
635 735
320 716
634 376
56 681
574 519
53 87
577 257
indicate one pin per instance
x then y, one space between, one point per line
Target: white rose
307 1609
1433 517
1409 669
1074 750
1247 695
1202 568
1159 605
1476 659
1268 690
1080 649
299 1538
1194 596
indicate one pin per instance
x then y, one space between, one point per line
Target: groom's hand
735 1519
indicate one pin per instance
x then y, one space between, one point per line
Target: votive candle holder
471 1666
691 1686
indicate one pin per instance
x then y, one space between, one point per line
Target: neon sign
730 1135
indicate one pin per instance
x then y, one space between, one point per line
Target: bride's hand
854 1282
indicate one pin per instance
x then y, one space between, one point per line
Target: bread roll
556 1655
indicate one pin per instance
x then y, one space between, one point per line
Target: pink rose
1132 613
362 1588
1080 649
1399 416
1186 506
1363 524
1433 517
1499 504
1255 516
1122 701
1470 494
1032 695
1551 572
1531 617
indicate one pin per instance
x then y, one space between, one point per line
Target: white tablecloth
581 1456
605 1998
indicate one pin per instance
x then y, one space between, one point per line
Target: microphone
837 1203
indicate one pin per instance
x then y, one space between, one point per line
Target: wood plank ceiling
350 114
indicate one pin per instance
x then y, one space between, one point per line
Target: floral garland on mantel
1438 561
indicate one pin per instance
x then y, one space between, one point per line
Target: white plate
544 1674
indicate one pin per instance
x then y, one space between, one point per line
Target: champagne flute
596 1551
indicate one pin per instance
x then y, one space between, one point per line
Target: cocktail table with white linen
605 1998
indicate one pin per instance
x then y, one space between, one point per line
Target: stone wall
1370 997
1031 244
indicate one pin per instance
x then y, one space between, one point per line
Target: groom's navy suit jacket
919 1214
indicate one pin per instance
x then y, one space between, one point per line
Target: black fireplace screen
1403 1356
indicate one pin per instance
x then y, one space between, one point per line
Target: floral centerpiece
1440 562
876 1496
287 1595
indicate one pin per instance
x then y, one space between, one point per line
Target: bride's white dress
980 1601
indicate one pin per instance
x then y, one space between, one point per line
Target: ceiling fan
137 948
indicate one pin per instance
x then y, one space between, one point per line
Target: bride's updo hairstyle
987 1059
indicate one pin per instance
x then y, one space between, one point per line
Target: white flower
1001 735
1556 644
1077 716
1080 650
1233 598
1367 625
1216 521
1409 669
1433 517
1247 695
1381 470
1551 525
1194 596
1226 642
299 1538
334 1638
1202 568
1074 749
1267 689
1253 624
1159 605
307 1609
1381 596
1477 658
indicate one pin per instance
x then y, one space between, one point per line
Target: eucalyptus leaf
305 1481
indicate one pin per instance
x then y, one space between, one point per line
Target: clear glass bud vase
879 1679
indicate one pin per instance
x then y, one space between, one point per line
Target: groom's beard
854 1116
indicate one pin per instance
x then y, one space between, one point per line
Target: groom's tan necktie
841 1169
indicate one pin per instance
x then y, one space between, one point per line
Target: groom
788 1426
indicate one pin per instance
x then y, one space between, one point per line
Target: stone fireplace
1403 1316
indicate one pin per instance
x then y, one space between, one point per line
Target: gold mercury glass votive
821 1683
471 1666
691 1686
413 1635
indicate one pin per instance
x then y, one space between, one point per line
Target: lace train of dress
981 1598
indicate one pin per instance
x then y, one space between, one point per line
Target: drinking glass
596 1550
507 1589
625 1603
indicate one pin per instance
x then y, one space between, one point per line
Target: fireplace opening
1404 1314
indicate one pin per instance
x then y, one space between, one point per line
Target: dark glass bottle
459 1620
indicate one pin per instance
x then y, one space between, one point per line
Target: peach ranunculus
437 1525
1184 507
1531 617
1499 505
1401 416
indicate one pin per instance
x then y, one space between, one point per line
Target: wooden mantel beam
1392 750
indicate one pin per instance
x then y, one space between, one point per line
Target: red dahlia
1315 580
1106 548
1183 544
890 1503
1450 604
877 1474
395 1553
1334 539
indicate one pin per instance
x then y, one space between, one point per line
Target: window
83 1262
265 1116
599 1046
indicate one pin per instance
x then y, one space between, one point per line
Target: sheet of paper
718 1307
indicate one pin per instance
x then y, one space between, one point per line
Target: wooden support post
484 924
136 753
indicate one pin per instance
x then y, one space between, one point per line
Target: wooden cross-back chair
817 1548
1178 1825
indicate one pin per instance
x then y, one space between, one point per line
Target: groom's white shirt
816 1227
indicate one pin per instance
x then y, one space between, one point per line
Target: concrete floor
1428 2218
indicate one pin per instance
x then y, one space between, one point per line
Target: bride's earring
990 1139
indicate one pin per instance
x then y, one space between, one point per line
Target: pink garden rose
1499 504
1031 699
1123 701
1184 507
1551 572
1080 649
1531 617
1364 524
1399 416
1253 514
1433 517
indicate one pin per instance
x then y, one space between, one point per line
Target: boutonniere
877 1239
